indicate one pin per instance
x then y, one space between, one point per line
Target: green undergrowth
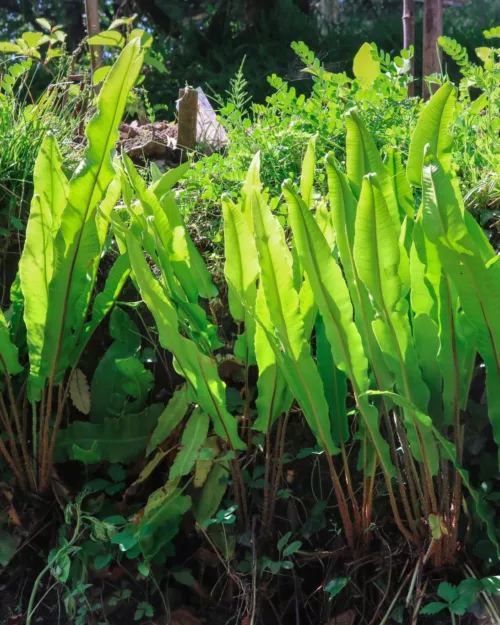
266 422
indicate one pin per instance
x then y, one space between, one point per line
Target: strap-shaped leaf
334 304
273 395
343 207
307 174
169 418
425 271
363 158
335 383
282 302
252 181
49 180
193 437
402 189
8 350
241 270
464 253
103 302
377 253
200 371
36 268
175 246
86 190
433 128
169 179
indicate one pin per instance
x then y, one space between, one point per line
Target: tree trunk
93 28
409 36
433 29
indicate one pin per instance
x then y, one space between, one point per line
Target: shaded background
204 42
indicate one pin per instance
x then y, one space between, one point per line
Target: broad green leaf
252 183
32 39
377 253
402 189
464 253
307 175
433 128
193 437
343 207
162 516
283 305
104 302
425 271
120 440
186 261
199 370
169 179
365 67
137 380
86 190
201 275
107 38
241 270
212 493
36 268
10 48
273 396
50 182
100 74
335 384
109 394
8 351
44 23
205 462
363 158
169 418
335 307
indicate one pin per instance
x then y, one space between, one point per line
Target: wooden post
188 113
93 28
409 36
433 29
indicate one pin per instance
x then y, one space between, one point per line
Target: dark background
203 42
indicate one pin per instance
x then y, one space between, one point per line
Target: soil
156 141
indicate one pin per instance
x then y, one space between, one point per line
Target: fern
455 50
492 32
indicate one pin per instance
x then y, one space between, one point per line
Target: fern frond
455 50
